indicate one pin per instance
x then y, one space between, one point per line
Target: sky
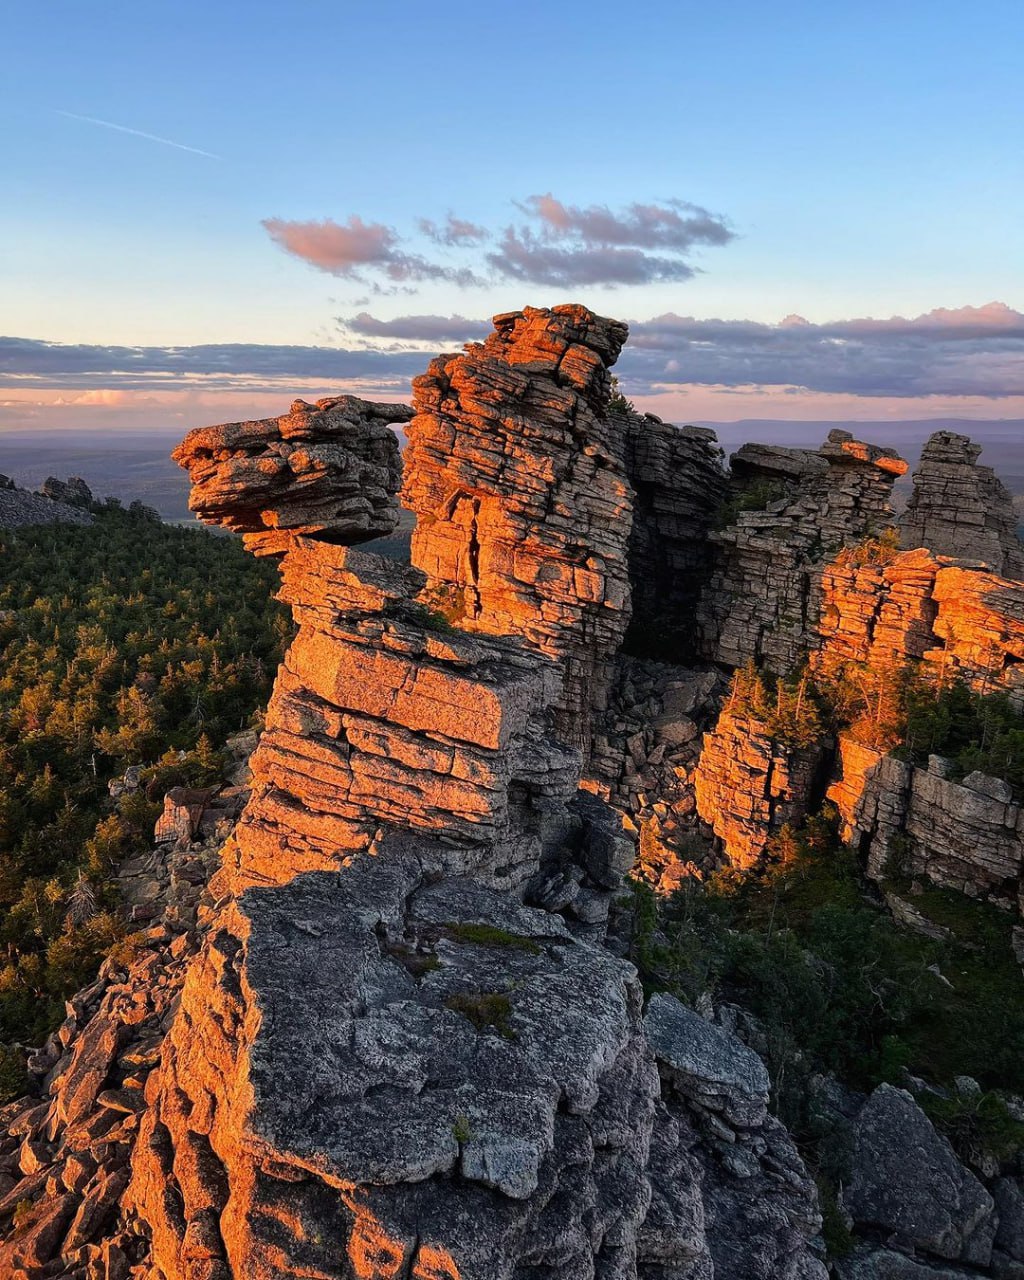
804 211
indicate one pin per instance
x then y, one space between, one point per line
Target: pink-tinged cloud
338 248
675 224
351 248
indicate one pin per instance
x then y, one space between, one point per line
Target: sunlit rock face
395 1045
370 1080
329 469
523 505
960 509
763 599
749 785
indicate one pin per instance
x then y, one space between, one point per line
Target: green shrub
756 496
489 935
485 1010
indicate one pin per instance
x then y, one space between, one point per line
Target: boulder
907 1181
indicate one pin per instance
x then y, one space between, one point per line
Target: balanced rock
328 470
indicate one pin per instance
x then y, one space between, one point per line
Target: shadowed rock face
961 510
329 470
523 506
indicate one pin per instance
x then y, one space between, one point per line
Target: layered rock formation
748 785
961 510
329 469
763 599
66 1150
392 1037
959 621
387 1062
678 485
73 491
516 476
919 822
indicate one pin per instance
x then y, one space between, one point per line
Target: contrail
138 133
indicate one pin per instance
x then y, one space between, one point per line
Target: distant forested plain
132 465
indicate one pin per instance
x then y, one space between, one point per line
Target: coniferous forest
129 642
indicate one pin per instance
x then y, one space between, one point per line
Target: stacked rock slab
384 1063
329 469
761 603
748 785
523 506
961 510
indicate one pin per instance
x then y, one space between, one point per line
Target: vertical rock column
962 510
523 507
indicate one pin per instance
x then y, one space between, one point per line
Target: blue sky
861 161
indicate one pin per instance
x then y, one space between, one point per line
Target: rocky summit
57 502
381 1024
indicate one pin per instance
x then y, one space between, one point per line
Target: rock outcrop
66 1149
392 1037
763 599
908 1185
748 784
919 822
19 507
645 750
73 491
961 622
329 469
403 1049
679 485
517 478
961 510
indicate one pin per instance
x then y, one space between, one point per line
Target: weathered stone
328 470
706 1064
907 1181
748 785
961 510
73 491
762 602
523 506
183 812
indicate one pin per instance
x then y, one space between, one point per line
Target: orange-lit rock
748 786
523 506
762 601
330 468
